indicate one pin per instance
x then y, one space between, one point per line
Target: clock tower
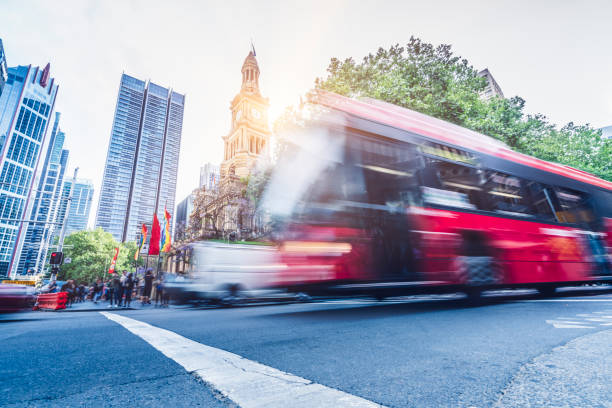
249 133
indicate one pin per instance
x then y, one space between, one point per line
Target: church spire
250 74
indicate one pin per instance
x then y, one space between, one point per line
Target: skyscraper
209 176
3 67
142 160
26 105
46 201
182 217
82 196
492 89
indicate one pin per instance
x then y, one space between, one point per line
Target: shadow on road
366 307
363 308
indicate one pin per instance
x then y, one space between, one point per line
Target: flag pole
157 272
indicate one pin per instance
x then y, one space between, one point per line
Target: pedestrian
110 293
69 287
148 286
122 286
159 291
51 287
106 291
98 288
118 291
136 293
80 295
140 283
128 287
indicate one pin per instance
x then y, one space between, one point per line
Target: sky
554 54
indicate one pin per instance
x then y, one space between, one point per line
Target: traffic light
56 258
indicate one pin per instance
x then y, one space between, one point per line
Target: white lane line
566 300
564 325
245 382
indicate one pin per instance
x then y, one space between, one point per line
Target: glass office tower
80 206
26 105
3 67
182 217
45 205
142 160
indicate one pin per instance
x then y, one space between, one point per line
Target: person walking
117 291
122 279
128 287
70 288
110 292
148 286
159 291
80 293
98 288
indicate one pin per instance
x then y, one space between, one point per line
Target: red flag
113 262
155 232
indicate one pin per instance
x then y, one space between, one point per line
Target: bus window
388 170
574 207
541 204
506 194
451 184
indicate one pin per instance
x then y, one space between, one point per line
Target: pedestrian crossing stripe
246 383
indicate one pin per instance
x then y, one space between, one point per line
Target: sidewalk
89 306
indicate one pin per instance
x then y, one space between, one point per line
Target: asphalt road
425 351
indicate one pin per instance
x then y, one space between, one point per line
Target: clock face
238 115
256 114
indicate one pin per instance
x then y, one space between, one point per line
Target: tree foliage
91 253
432 80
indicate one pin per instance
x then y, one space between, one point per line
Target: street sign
67 260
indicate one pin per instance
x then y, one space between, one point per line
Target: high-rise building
26 105
41 231
181 219
492 89
249 132
3 67
209 176
606 132
142 160
80 206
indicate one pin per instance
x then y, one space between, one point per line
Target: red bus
372 198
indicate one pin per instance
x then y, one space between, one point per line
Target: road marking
566 300
245 382
560 324
582 320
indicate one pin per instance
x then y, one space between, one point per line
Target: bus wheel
474 295
547 290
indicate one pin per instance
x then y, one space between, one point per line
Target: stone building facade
250 132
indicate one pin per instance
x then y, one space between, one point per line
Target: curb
94 310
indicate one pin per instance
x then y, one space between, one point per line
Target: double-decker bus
372 198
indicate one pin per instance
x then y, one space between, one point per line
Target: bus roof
428 126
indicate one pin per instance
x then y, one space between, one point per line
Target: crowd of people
118 291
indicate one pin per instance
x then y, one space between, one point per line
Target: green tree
434 81
91 253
